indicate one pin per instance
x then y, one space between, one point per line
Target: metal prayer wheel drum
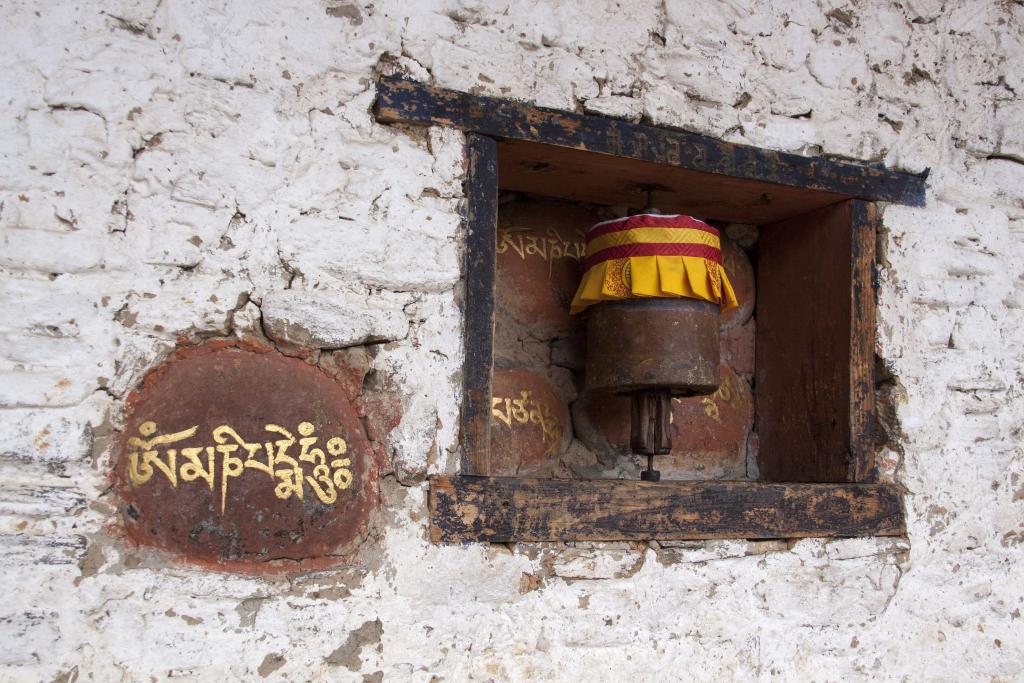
654 344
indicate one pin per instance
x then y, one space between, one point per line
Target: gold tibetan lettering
330 472
506 416
291 477
224 432
193 469
141 472
520 413
342 475
511 238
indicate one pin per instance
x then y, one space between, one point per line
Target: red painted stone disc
741 274
529 422
238 455
540 247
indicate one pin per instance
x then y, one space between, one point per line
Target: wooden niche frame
814 369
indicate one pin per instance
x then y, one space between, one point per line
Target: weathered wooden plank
804 343
481 221
406 101
862 342
569 173
500 509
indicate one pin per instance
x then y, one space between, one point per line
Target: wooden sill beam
507 509
404 101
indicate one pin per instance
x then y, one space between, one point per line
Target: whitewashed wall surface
185 169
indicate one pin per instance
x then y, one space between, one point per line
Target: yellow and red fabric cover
653 255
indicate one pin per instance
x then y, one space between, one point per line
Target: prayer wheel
652 290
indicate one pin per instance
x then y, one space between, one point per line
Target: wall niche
543 423
784 449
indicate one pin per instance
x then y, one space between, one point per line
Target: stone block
330 321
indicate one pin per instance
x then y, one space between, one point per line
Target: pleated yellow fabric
651 255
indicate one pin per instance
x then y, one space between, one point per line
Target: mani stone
237 456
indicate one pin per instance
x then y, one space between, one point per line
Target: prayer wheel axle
651 413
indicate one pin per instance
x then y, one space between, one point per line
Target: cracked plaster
186 169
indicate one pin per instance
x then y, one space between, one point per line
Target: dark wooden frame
481 243
815 349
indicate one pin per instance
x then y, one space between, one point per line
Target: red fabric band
649 221
654 249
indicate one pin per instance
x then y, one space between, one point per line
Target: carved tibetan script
233 456
236 453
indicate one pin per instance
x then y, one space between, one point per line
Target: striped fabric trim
648 220
653 236
654 249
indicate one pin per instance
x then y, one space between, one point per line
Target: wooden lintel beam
404 101
506 509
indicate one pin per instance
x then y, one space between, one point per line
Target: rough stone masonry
177 170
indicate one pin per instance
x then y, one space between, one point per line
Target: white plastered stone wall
176 169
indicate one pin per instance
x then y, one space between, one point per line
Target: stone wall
174 171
